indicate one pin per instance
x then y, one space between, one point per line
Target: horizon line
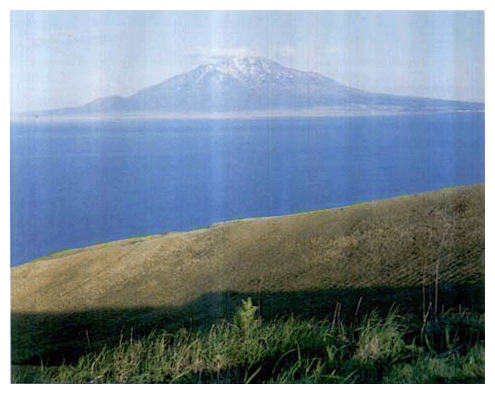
314 112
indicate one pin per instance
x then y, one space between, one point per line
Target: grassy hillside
421 253
448 348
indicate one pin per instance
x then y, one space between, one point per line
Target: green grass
423 254
448 348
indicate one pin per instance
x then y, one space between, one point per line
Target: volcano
259 85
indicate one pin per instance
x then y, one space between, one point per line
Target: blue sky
68 58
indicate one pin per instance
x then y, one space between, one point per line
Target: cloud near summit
205 54
287 51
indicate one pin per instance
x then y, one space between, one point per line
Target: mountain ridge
235 85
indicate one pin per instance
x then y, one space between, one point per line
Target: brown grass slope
409 251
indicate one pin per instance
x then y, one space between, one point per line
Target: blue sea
78 184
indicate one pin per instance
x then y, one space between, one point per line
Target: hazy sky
68 58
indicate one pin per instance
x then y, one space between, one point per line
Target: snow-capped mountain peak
251 69
252 83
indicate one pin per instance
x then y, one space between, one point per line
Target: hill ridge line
214 225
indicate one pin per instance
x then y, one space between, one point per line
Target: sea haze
78 184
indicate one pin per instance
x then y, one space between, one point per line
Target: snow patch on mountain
258 71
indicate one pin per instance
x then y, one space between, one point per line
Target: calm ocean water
77 184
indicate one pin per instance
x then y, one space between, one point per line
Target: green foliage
379 341
447 368
245 317
287 350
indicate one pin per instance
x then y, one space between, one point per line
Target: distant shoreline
265 114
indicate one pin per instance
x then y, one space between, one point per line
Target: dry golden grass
423 244
397 242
